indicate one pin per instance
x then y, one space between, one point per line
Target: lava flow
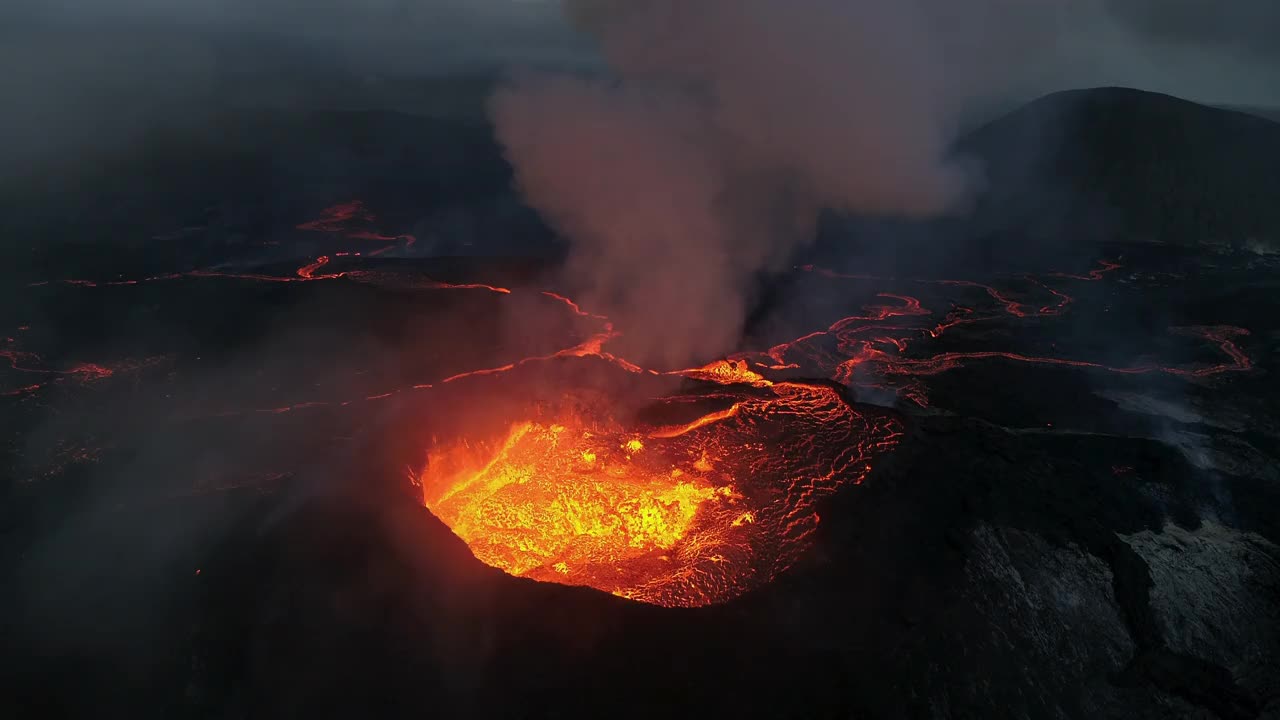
701 511
337 220
679 515
720 495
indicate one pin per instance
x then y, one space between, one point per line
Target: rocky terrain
208 511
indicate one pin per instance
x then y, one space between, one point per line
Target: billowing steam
705 157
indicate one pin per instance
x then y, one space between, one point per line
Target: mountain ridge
1128 164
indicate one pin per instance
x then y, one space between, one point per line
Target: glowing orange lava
567 498
688 514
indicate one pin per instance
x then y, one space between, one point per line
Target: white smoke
704 158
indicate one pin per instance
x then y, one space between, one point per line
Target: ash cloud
706 155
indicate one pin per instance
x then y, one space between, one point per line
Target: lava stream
83 373
307 272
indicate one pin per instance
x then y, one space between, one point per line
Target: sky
85 73
1219 52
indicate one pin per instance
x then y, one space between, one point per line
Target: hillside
1264 112
1122 164
248 177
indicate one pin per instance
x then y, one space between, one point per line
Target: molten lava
567 498
677 515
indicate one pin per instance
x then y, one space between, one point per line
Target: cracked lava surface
683 514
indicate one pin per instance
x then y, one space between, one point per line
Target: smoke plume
724 127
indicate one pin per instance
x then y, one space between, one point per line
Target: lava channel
680 515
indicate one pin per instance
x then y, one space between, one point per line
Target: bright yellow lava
679 515
564 499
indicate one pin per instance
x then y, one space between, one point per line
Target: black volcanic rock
1115 163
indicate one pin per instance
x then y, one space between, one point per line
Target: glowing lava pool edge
678 516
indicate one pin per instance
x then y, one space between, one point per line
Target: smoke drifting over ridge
705 159
87 76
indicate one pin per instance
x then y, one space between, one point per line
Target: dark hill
1262 111
1121 164
245 178
277 158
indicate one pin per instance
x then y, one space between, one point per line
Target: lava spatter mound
680 515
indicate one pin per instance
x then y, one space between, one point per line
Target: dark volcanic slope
1125 163
243 178
1267 113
